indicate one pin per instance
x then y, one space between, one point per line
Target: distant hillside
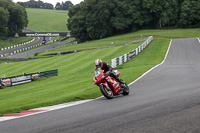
46 20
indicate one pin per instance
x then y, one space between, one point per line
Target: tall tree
40 4
48 6
13 17
129 14
58 6
98 14
4 15
67 5
17 19
190 13
76 23
165 11
91 19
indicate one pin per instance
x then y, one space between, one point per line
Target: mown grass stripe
76 72
75 77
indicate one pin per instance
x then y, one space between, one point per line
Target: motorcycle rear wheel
107 93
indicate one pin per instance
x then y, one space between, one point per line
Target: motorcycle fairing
114 84
106 85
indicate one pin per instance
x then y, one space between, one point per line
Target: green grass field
76 71
46 20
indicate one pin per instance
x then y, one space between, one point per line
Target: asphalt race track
166 100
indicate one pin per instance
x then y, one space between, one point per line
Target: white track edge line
47 109
154 66
198 39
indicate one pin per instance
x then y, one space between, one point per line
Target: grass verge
75 76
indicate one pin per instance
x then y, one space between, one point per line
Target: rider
107 69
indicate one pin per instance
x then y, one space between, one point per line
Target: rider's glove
107 73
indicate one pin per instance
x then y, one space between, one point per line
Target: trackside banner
41 34
26 78
21 79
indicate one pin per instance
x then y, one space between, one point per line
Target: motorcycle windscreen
99 76
97 72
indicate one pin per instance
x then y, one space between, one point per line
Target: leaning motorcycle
109 86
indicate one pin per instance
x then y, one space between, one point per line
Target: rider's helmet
98 63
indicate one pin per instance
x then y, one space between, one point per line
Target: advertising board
26 78
21 79
41 34
16 80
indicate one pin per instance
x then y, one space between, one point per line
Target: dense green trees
4 16
129 14
64 6
13 17
40 4
36 4
165 12
190 13
93 19
94 24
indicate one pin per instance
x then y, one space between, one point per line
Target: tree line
64 5
13 17
94 19
40 4
36 4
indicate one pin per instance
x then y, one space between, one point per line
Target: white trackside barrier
17 45
126 57
20 50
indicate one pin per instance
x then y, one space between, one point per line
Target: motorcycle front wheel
106 92
126 90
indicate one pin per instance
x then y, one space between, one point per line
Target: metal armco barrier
26 78
126 57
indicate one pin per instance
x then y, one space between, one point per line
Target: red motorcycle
109 86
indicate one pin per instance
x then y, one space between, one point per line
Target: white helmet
98 63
